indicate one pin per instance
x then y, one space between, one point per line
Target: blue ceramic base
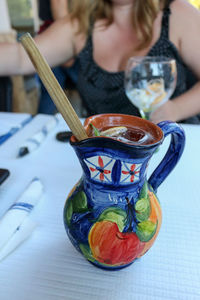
111 268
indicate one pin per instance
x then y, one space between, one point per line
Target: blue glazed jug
112 216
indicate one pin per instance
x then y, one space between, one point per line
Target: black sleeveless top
103 91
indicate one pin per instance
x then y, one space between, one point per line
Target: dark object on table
63 136
4 173
23 151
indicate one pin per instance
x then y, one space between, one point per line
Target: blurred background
21 93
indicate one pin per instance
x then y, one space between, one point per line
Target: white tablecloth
47 266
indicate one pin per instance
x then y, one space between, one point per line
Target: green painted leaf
96 131
143 209
144 191
85 249
79 202
69 212
146 230
115 215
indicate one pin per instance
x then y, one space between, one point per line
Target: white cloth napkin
15 225
20 235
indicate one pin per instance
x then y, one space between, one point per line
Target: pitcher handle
173 154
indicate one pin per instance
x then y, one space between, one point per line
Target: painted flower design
100 167
130 172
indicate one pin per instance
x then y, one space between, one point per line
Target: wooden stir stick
53 87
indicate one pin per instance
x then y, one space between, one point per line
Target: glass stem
145 115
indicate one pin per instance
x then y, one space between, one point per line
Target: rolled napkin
19 211
32 143
20 235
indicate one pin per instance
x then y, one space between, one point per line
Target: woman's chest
113 46
111 49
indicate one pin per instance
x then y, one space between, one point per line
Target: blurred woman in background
102 34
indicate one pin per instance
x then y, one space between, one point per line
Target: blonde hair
144 14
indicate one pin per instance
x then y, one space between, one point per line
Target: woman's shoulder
70 31
185 21
185 18
183 9
79 37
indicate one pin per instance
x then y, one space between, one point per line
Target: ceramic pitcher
112 215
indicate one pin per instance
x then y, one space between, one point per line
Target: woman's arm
59 8
57 44
185 21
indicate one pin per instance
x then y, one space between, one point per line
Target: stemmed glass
149 82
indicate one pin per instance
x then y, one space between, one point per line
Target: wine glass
149 82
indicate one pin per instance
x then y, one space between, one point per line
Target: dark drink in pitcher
131 135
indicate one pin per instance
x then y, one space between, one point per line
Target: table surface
46 266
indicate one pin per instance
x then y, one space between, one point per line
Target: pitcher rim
91 139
